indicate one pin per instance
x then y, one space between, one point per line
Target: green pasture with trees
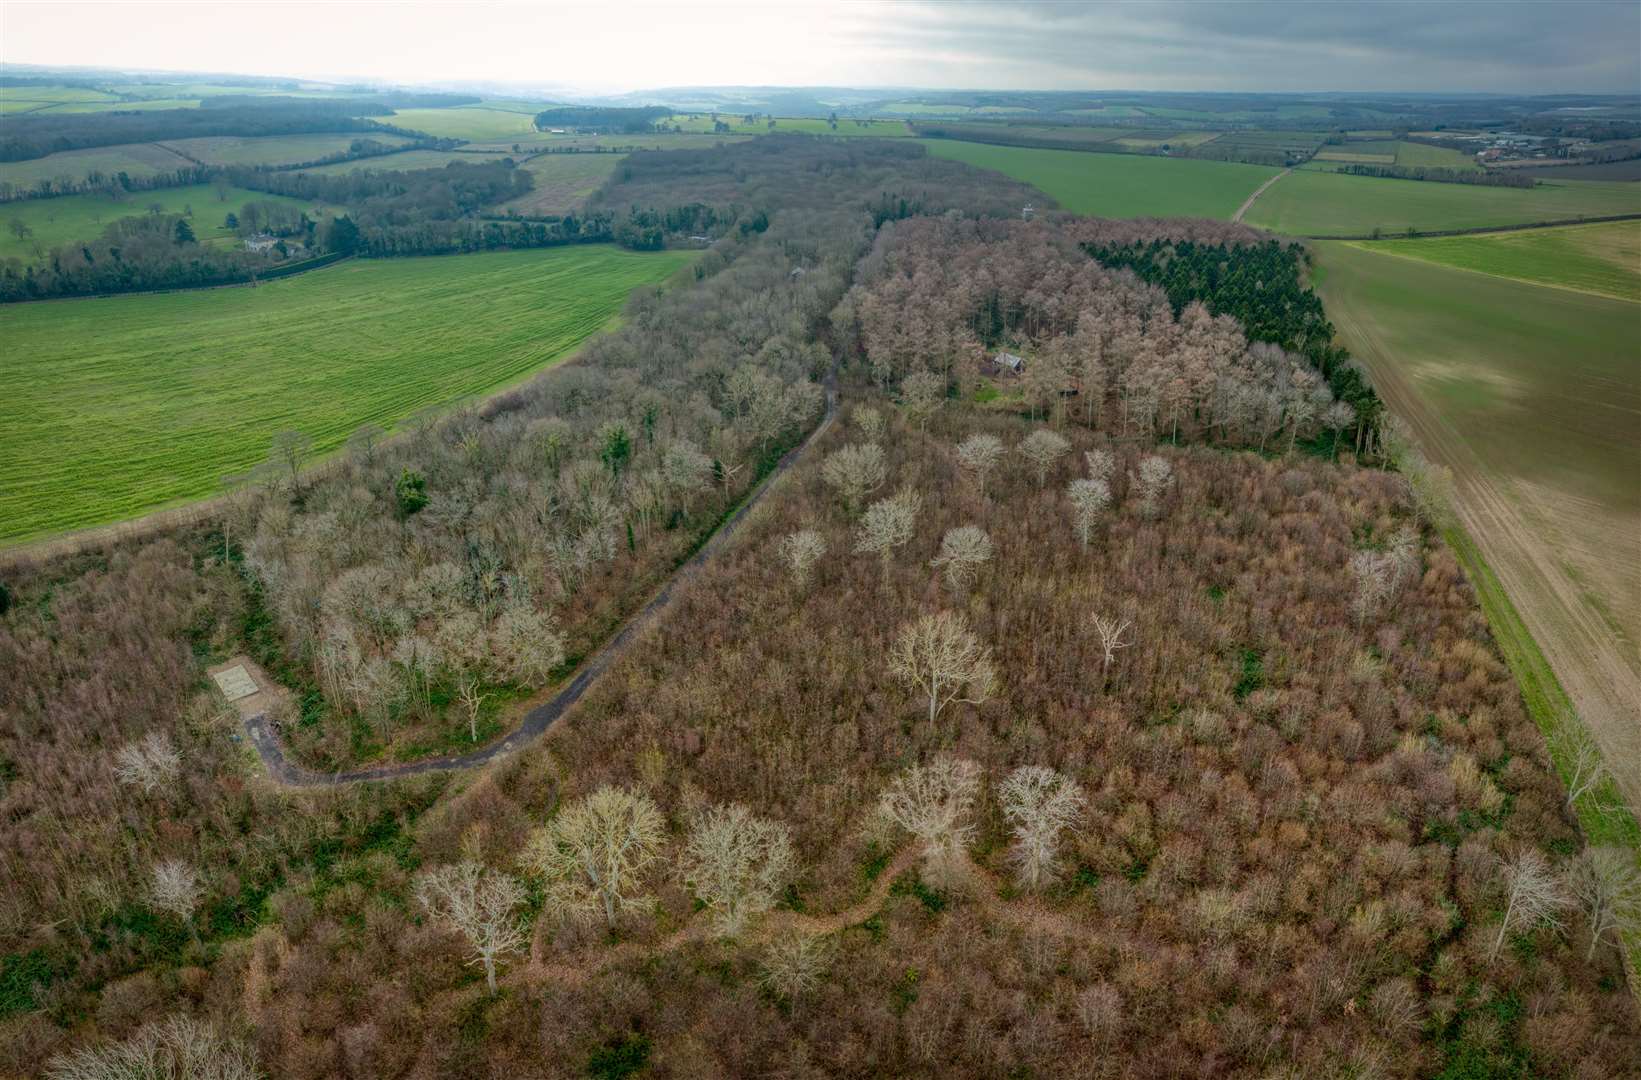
48 223
127 404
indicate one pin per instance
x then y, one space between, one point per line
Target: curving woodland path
283 770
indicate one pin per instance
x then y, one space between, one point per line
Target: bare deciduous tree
530 644
180 1048
1152 480
1043 448
1339 418
978 455
1111 630
1581 759
923 393
870 423
176 888
856 472
800 551
933 803
943 661
794 963
150 763
963 551
472 699
1100 1011
1606 884
479 903
888 524
1372 577
686 470
1532 895
288 453
736 864
1380 576
1040 804
594 853
1089 499
1102 464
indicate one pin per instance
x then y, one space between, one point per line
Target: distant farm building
261 242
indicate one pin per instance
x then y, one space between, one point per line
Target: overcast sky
1483 45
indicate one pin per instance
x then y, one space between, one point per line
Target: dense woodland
585 118
1066 736
1262 283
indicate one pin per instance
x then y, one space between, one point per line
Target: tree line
1479 177
628 121
26 137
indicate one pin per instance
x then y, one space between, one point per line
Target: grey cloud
1383 46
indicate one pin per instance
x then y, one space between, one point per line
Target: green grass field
1307 203
702 122
563 182
123 405
1119 185
1423 155
1603 259
51 94
71 218
136 159
1544 380
273 149
473 122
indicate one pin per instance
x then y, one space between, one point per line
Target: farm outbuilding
1009 362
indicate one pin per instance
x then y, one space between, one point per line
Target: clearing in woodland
562 182
1119 185
1532 397
126 404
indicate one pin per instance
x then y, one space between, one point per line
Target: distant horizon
623 46
334 80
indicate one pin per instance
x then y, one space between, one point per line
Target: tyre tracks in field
1582 650
1248 203
259 729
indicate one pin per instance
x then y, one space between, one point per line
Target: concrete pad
235 682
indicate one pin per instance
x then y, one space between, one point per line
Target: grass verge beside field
124 405
1602 814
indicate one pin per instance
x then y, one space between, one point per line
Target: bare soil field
1535 410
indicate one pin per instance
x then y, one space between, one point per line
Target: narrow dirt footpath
262 736
1260 190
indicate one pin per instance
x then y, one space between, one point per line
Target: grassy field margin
1601 814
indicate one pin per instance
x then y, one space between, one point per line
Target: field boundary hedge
1477 230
